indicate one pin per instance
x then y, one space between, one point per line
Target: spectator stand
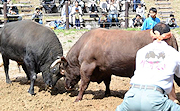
55 11
24 8
164 9
93 21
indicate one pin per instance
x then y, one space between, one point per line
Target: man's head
76 3
37 9
162 28
153 12
77 10
171 15
139 5
138 16
161 31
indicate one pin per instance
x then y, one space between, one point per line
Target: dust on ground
15 96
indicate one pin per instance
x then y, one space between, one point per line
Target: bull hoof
77 100
8 81
107 94
31 92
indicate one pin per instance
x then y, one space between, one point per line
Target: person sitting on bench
49 5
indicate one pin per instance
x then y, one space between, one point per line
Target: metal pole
5 11
126 15
67 15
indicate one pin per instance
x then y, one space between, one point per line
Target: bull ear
59 60
63 59
63 63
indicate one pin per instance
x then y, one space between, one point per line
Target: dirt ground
14 97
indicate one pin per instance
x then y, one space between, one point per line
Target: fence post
67 15
126 15
5 11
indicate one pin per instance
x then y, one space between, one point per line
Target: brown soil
14 97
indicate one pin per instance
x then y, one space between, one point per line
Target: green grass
68 32
178 30
133 29
73 31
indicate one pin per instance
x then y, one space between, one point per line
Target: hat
76 9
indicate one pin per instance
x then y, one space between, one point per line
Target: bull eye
54 70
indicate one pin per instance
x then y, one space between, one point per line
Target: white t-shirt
156 64
140 11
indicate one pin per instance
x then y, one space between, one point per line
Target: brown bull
100 53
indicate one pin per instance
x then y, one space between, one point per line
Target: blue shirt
149 23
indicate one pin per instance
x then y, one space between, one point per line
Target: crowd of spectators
108 9
107 12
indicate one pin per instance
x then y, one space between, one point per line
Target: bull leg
31 89
86 72
107 83
6 68
25 70
29 64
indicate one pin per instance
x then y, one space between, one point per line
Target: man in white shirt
140 10
63 13
74 13
156 64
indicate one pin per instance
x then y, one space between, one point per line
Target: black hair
162 28
153 9
138 15
37 9
171 15
76 1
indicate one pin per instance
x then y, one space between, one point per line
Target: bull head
63 63
71 76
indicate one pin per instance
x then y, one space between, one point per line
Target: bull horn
55 62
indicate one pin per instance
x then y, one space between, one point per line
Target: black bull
100 53
33 46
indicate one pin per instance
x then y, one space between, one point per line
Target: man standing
156 64
150 22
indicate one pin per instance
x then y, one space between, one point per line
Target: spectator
119 5
103 21
140 10
135 3
103 5
49 5
37 16
150 22
13 10
113 14
138 21
171 21
156 64
77 14
63 13
93 9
